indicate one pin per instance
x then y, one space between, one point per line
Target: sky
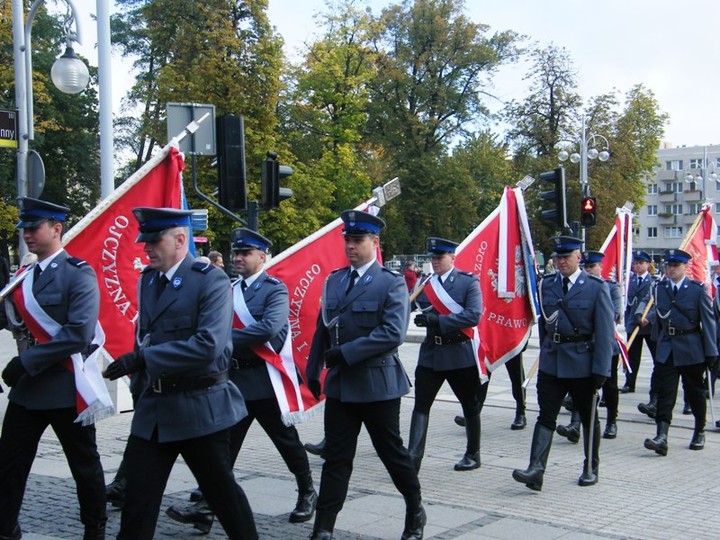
667 45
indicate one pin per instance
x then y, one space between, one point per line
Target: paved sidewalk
640 495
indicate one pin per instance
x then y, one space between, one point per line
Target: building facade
684 178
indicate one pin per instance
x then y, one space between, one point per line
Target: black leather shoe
648 409
698 441
196 495
460 421
626 390
658 444
16 534
588 479
571 432
468 462
316 449
198 515
115 492
94 532
519 423
610 431
320 535
415 521
305 507
687 409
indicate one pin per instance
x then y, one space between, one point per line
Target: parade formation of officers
200 370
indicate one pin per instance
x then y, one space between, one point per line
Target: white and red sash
92 399
444 305
280 367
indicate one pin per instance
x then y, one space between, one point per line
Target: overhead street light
588 143
700 172
69 74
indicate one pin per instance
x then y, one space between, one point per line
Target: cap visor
148 237
30 224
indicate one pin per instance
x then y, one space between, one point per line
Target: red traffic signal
588 212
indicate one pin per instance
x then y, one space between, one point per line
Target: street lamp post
588 143
706 171
68 73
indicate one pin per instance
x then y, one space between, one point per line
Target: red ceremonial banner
105 238
702 247
496 251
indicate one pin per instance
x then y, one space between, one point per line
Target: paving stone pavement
640 494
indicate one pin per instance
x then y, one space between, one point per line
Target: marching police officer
686 343
184 401
576 333
262 309
59 302
450 306
363 321
592 263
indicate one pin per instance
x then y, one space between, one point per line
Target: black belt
673 331
165 385
575 338
240 363
449 339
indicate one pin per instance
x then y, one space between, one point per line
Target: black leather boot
460 420
418 434
572 430
471 459
532 477
698 440
307 499
196 514
415 519
592 478
115 490
324 525
649 408
16 534
95 532
316 449
520 421
659 444
610 430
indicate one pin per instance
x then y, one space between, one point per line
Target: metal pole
21 103
107 180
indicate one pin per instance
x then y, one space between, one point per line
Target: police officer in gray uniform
43 389
686 343
576 334
185 403
447 354
363 321
266 298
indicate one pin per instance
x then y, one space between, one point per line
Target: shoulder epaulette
203 267
76 262
273 279
611 281
393 272
464 273
596 278
146 269
696 282
340 269
548 276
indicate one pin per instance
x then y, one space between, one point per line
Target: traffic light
232 190
557 195
588 212
272 173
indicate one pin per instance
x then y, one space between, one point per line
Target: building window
652 209
652 189
696 163
636 232
652 232
674 165
674 209
673 187
694 208
673 232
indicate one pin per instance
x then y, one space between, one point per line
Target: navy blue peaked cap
34 211
677 256
440 246
592 257
246 239
359 223
564 245
153 221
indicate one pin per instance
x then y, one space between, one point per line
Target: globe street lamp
588 151
701 172
69 74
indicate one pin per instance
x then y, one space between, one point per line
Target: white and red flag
303 268
105 238
500 252
702 246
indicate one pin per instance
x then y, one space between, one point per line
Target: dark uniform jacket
578 341
267 302
688 316
67 291
636 295
188 335
464 288
371 325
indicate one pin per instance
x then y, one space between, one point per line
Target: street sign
202 141
35 174
8 129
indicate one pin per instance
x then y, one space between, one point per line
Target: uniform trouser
666 383
611 392
551 390
21 433
342 427
149 463
285 438
634 356
516 373
464 382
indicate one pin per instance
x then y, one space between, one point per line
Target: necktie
675 289
351 282
36 273
162 281
243 285
566 284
